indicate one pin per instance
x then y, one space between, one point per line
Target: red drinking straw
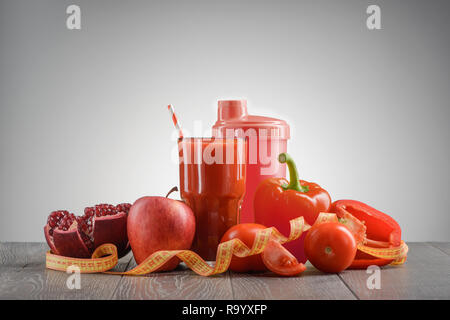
175 120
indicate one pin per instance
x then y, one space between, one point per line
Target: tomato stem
294 183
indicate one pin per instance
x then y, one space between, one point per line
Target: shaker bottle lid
232 114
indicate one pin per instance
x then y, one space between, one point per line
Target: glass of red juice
212 183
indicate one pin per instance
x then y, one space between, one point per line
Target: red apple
158 223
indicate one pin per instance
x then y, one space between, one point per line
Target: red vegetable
277 201
245 232
330 247
382 231
280 261
274 257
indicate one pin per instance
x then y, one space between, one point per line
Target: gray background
83 116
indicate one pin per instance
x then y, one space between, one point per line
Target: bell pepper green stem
294 183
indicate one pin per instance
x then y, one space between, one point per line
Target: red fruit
279 260
246 232
123 207
77 237
157 223
330 247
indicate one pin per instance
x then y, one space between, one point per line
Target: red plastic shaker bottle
266 139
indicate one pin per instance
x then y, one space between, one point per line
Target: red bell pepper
382 231
277 201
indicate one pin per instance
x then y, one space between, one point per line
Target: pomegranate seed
123 207
60 219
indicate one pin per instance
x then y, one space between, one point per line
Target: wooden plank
311 284
181 284
425 275
443 246
20 254
34 281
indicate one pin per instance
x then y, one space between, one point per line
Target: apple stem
172 190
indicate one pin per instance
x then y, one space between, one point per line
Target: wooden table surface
426 275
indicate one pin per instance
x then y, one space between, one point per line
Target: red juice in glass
212 183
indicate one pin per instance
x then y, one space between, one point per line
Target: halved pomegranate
78 237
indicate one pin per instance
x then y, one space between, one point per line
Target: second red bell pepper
382 231
277 201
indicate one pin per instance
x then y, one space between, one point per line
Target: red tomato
245 232
330 247
279 260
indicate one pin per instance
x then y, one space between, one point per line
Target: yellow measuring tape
398 254
105 256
